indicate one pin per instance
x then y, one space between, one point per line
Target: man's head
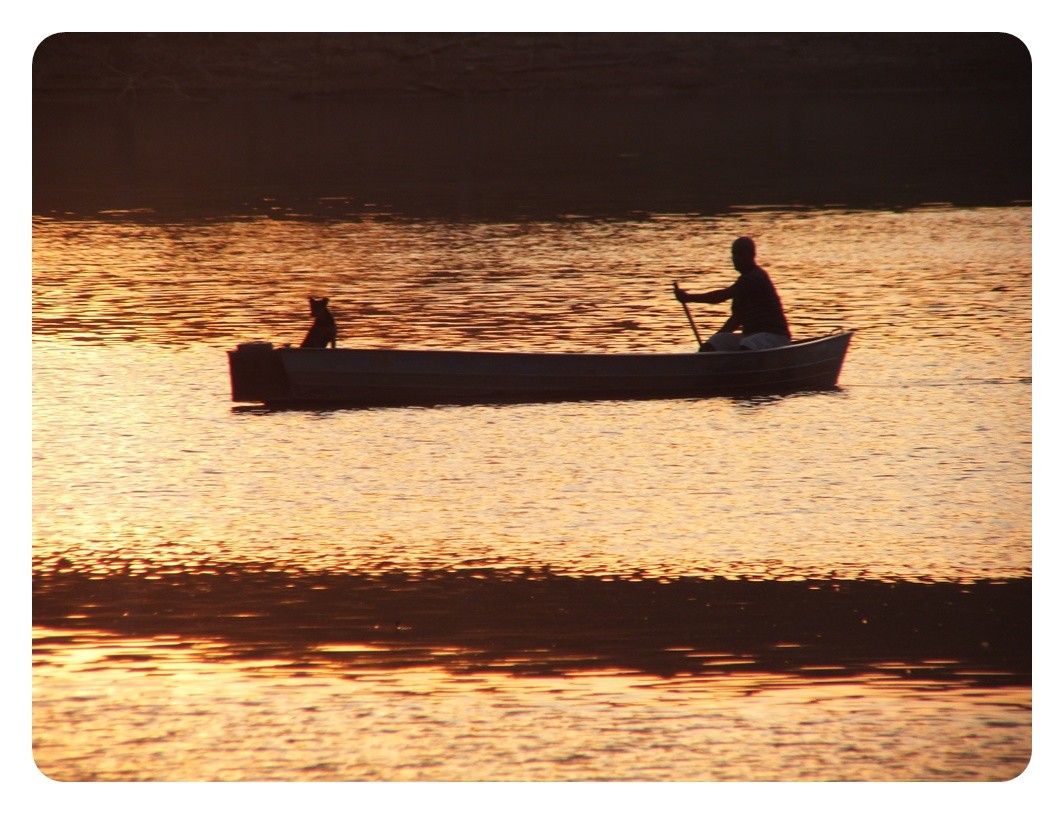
743 253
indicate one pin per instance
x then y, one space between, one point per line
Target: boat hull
263 374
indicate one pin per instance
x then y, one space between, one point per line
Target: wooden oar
687 311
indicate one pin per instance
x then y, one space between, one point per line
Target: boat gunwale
801 343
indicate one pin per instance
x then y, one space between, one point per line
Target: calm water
659 590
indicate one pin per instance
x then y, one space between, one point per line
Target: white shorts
762 341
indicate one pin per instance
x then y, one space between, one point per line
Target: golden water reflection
147 709
576 284
919 467
916 482
677 589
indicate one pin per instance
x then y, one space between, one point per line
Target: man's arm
720 295
732 325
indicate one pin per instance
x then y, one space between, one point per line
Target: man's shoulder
754 274
759 274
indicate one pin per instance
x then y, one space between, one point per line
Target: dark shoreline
525 64
536 622
524 126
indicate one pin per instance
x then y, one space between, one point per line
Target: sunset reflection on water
575 284
148 484
156 705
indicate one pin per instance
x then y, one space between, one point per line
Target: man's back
756 304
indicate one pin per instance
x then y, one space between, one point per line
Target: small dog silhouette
322 333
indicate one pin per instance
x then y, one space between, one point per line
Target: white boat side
264 374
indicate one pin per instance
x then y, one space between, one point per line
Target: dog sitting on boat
322 333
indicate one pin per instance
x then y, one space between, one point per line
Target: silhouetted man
756 307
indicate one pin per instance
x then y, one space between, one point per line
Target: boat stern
256 373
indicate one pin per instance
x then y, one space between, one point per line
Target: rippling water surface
460 593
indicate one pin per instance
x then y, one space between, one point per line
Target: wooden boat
287 376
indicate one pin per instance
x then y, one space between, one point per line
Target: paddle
687 311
